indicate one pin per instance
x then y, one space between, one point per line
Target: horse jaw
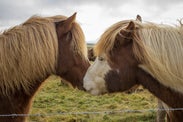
93 80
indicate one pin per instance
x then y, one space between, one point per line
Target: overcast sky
94 16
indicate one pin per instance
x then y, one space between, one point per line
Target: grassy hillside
55 98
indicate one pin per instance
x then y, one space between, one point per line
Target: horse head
72 60
115 67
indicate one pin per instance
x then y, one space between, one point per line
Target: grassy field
55 101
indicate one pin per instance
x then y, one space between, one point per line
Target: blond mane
106 41
29 52
159 47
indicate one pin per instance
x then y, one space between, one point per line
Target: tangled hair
158 47
29 52
107 39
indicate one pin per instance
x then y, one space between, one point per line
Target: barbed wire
92 112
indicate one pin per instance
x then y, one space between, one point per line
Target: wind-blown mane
107 39
29 52
158 47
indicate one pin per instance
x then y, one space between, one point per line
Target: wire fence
93 112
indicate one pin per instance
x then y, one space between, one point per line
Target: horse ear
130 27
125 35
139 18
66 25
128 31
68 22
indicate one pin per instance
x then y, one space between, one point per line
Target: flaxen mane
29 52
106 42
158 47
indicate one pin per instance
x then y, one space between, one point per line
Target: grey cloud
111 3
11 10
17 8
162 2
20 10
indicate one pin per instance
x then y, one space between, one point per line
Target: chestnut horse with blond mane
131 53
32 51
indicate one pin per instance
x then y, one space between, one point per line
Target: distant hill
90 45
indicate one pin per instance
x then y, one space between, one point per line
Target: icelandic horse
133 53
32 51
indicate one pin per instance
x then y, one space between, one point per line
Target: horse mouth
81 88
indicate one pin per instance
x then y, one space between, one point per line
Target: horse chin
95 92
95 88
80 87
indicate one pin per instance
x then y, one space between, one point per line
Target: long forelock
79 45
159 48
28 52
107 39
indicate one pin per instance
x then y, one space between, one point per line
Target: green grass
55 98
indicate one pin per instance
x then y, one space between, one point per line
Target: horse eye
100 58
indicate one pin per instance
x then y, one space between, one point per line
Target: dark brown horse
32 51
131 53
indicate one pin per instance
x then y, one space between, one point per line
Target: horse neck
18 102
164 93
